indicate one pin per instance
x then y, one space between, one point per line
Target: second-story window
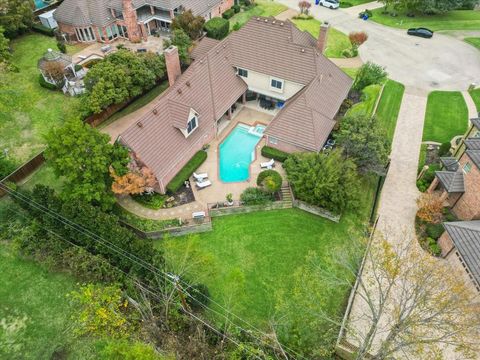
243 73
192 124
276 84
467 167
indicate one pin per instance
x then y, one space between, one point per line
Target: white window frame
467 167
281 82
240 70
195 117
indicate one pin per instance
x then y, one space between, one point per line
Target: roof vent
188 83
258 19
224 46
273 22
303 50
281 24
179 91
155 111
266 20
139 124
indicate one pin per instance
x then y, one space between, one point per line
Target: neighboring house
266 58
459 180
135 20
461 239
72 75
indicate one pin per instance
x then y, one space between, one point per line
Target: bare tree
409 305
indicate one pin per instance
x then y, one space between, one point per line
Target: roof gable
452 181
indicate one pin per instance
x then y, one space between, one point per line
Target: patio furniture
141 50
268 164
106 49
203 184
198 215
200 177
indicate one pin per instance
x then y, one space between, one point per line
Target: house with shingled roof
135 20
267 59
459 180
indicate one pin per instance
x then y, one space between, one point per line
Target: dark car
422 32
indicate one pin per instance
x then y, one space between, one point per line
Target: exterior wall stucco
260 83
468 206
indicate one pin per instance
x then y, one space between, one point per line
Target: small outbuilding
47 19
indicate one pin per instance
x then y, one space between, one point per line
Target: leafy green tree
82 156
369 74
16 17
364 140
329 181
190 24
217 28
181 40
5 54
6 166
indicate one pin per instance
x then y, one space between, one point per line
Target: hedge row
273 153
228 14
43 30
187 171
217 28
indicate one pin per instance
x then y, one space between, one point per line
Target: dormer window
192 124
276 84
242 72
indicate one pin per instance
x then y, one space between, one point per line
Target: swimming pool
237 152
39 4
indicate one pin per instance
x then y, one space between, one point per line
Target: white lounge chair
200 177
269 164
203 184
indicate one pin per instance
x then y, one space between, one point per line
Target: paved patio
218 191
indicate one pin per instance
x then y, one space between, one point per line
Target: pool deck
218 191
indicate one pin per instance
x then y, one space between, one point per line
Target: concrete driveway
440 63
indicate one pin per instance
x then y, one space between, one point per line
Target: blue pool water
237 151
39 4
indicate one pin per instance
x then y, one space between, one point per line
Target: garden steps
287 198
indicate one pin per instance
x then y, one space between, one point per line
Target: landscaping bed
367 102
452 20
430 156
144 224
446 116
428 233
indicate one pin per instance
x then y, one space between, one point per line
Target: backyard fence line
204 226
316 210
343 348
23 171
244 209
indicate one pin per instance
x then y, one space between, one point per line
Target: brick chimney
131 21
172 63
322 37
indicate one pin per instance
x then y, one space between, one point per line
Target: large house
268 59
135 20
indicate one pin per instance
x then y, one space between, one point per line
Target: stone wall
316 210
277 205
176 231
468 206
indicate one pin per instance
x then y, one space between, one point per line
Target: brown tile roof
83 13
210 86
203 47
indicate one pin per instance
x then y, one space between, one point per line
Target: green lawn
36 299
422 157
263 8
248 261
45 176
28 111
137 104
369 99
389 106
352 72
475 94
350 3
446 116
475 41
452 20
337 41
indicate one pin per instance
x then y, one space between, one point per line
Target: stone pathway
353 63
182 211
472 108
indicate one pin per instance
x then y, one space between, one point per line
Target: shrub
434 231
427 178
91 63
187 171
357 38
228 14
236 8
255 196
270 180
45 84
199 298
369 74
275 154
433 247
430 208
7 166
62 47
152 201
444 149
78 67
349 53
217 28
43 30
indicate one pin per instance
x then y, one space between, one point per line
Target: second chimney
322 37
172 63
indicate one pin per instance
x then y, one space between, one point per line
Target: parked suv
331 4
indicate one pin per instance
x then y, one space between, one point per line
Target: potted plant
229 199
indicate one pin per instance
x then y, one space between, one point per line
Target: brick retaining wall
316 210
277 205
176 231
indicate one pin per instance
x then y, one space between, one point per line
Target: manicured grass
475 94
137 104
389 106
350 3
369 99
44 176
337 41
28 111
452 20
352 72
475 41
422 158
38 299
263 8
248 261
446 116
